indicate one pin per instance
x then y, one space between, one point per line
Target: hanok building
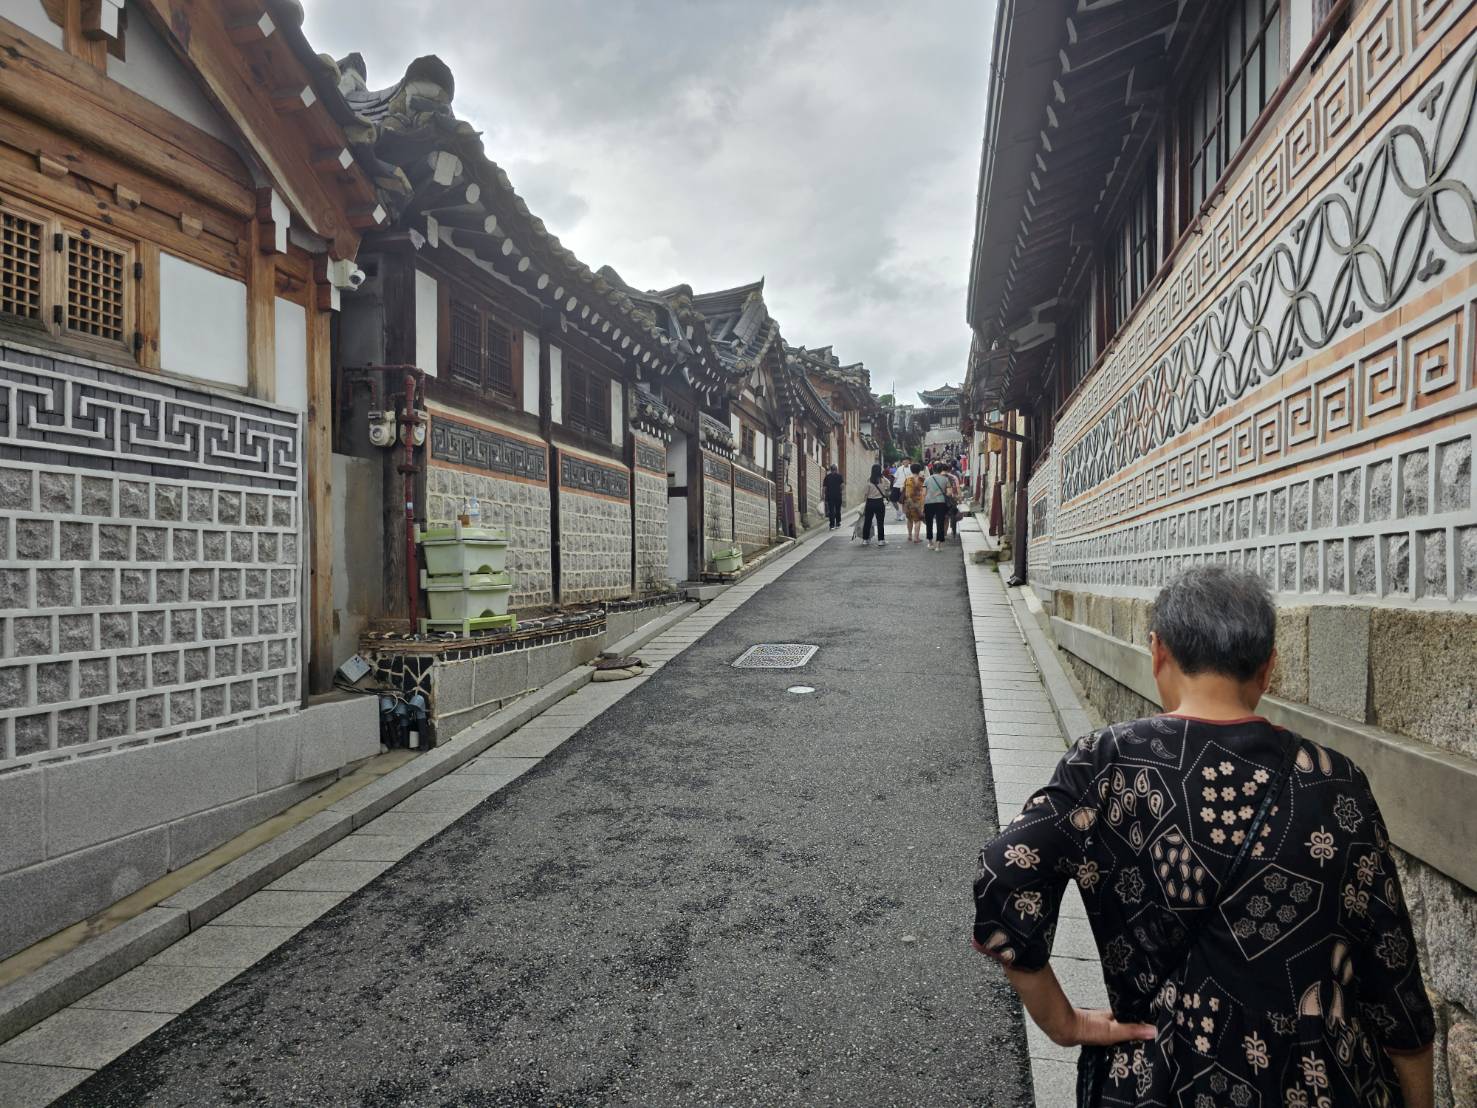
529 368
178 206
941 411
812 426
748 344
1224 269
853 445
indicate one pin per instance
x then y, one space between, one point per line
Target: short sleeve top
1297 978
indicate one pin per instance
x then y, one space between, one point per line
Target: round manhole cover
800 690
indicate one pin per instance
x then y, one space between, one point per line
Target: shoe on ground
866 542
881 543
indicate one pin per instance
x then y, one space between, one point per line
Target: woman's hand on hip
1097 1027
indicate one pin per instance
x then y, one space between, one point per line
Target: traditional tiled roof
740 325
439 184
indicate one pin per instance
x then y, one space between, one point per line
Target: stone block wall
753 510
651 515
717 505
594 530
150 562
815 507
509 475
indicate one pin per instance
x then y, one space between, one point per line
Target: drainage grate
776 655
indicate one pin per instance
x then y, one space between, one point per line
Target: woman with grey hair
1238 879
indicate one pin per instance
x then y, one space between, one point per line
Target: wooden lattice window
96 292
465 363
481 349
586 401
499 348
20 266
747 442
73 282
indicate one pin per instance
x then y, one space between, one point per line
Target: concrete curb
27 1001
1071 714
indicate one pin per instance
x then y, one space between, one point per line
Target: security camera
344 274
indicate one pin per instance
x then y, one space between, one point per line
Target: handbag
1092 1063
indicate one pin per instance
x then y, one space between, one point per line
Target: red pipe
412 577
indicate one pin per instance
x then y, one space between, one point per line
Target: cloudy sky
831 146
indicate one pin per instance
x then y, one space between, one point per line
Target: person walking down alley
831 486
899 475
936 506
875 507
1255 943
913 494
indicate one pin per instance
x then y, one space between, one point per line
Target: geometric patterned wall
1299 395
150 558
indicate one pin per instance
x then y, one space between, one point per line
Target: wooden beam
332 159
293 98
51 167
261 317
320 502
249 29
197 33
70 96
101 19
273 221
148 305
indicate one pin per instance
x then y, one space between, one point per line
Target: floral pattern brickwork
1285 989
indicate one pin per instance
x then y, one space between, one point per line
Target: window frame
583 386
747 441
55 276
1210 132
1131 252
485 383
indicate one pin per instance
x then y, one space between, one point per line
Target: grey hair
1218 620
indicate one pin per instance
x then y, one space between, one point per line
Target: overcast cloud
831 146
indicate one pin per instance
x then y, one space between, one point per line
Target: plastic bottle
474 512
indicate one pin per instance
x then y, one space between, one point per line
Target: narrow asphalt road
718 893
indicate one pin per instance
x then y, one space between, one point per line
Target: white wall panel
202 323
426 321
292 355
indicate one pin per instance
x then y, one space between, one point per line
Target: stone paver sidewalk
1025 743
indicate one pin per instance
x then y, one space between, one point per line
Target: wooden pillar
320 499
261 318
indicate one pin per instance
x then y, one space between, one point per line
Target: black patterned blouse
1296 979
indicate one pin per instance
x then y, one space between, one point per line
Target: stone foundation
651 515
81 835
753 511
717 505
594 529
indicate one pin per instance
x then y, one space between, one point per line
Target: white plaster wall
1300 29
155 73
530 373
202 323
734 426
761 449
31 16
426 308
556 384
617 413
291 343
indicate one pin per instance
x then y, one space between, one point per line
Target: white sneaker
866 542
881 543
